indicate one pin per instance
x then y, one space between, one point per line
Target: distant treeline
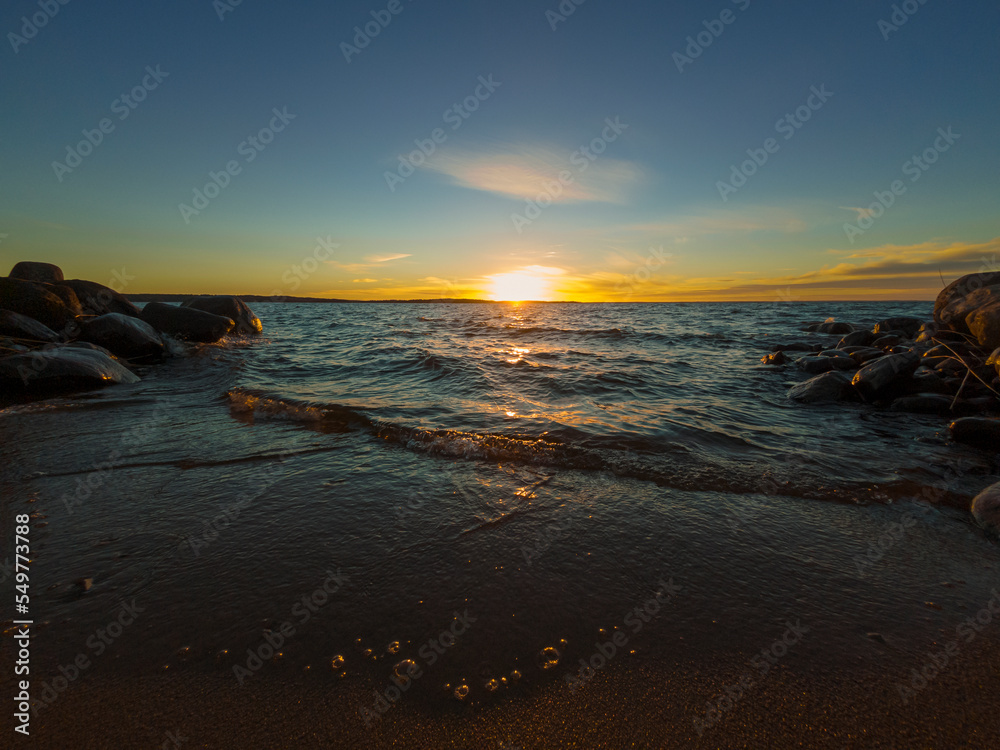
265 298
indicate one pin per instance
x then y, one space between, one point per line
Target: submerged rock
61 370
875 378
923 403
979 431
986 508
908 327
776 358
23 327
840 328
33 271
187 322
97 299
35 301
815 365
123 336
856 338
830 386
228 307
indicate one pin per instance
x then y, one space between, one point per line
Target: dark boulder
924 403
98 299
994 360
797 347
927 381
957 313
887 342
840 328
776 358
876 378
856 338
32 271
861 356
908 327
830 386
228 307
186 322
23 327
35 301
123 336
961 288
61 370
815 365
986 508
979 431
984 324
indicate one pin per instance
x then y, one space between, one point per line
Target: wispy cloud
530 171
862 213
387 258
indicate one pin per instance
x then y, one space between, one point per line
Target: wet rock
986 508
776 358
228 307
61 370
32 271
815 365
936 355
34 301
876 378
907 327
959 289
797 347
856 338
984 324
67 295
924 403
994 360
866 355
927 381
830 386
187 323
840 328
98 299
23 327
123 336
887 342
926 333
984 404
982 432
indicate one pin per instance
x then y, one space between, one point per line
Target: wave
666 464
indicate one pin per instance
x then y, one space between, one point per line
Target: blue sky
644 219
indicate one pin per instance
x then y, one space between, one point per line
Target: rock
908 327
34 301
961 288
98 299
956 314
23 327
986 508
927 381
796 347
67 295
123 336
840 328
875 378
31 271
887 342
984 324
188 322
995 361
777 358
60 370
814 365
979 431
228 307
856 338
830 386
924 403
866 355
933 357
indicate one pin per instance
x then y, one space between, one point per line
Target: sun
520 285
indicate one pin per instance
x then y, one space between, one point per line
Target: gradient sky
643 221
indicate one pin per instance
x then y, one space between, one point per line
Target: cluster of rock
59 335
948 367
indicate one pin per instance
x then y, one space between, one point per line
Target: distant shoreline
434 300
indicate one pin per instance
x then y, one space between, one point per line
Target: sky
591 151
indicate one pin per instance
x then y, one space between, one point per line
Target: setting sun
532 283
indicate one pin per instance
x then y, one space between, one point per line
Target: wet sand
634 706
